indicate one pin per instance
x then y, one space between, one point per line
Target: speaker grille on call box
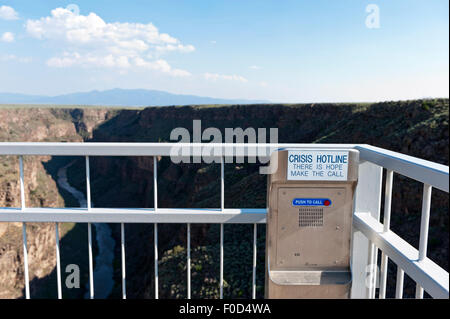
310 217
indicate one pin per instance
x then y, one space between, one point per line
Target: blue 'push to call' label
311 202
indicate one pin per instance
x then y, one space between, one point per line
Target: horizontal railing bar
144 149
434 174
434 279
135 215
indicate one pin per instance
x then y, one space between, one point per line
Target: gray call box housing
309 226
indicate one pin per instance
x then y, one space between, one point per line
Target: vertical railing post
386 226
367 199
24 230
255 229
399 284
222 207
155 226
424 226
188 267
88 202
58 262
122 250
373 270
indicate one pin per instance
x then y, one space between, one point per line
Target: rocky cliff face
34 125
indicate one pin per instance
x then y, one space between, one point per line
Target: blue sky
284 51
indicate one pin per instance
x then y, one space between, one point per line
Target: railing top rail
434 174
141 149
431 173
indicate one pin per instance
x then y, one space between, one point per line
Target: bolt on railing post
24 230
88 202
386 226
424 226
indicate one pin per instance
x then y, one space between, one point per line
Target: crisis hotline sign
317 165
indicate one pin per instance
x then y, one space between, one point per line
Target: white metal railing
369 234
421 269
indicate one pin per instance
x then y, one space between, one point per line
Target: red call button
327 202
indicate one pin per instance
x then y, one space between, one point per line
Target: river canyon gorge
418 128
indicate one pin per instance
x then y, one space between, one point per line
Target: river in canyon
103 270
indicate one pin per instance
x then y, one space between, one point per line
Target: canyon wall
418 128
25 124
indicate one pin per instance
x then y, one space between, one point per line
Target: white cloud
178 47
7 37
69 59
90 41
263 84
255 67
160 65
215 76
8 13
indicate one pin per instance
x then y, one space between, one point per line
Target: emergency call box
309 223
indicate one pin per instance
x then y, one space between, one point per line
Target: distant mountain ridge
120 97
